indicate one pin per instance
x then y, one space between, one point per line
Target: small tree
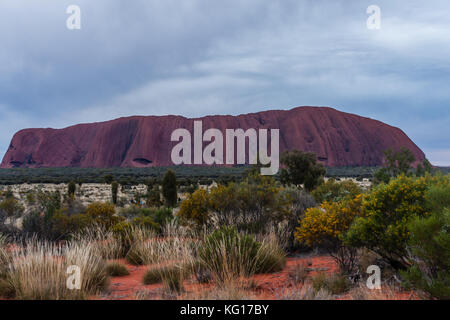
71 188
301 168
395 163
108 179
153 197
114 190
399 162
423 168
169 188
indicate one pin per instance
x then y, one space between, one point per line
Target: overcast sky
200 57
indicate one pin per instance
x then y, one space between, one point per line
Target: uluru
338 139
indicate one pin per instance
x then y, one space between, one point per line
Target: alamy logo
213 152
73 22
74 280
374 20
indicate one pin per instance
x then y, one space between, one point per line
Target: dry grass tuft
39 271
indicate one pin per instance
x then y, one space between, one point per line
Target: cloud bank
199 57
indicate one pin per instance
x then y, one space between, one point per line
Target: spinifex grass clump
116 269
4 255
6 290
149 248
38 271
158 273
270 257
335 283
94 276
228 254
108 244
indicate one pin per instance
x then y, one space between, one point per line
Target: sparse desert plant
335 283
298 273
116 269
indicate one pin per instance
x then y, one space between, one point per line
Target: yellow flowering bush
195 207
324 227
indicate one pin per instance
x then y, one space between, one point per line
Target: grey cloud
200 57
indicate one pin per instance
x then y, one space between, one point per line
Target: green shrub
430 247
301 168
63 225
116 269
438 193
386 213
249 205
10 206
103 214
333 191
146 222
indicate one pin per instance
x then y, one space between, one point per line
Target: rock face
338 139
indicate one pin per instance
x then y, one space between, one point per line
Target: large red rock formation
338 139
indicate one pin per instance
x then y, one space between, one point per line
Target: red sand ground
264 286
